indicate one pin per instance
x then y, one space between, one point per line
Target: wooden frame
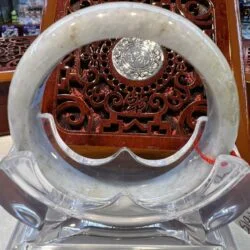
227 18
6 76
237 65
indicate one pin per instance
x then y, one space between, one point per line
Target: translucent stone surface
156 192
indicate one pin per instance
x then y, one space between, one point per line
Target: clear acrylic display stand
184 201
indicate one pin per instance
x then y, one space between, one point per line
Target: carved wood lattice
11 51
90 98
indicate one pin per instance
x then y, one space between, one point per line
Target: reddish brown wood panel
218 18
11 51
4 127
93 105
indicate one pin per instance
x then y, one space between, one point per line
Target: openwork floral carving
93 100
91 97
200 12
11 51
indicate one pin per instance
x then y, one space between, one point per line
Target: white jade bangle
115 20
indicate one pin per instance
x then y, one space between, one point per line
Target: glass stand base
76 234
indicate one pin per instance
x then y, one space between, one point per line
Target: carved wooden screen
94 105
11 51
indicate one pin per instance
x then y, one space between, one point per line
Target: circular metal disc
137 59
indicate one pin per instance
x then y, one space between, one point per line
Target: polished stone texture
78 189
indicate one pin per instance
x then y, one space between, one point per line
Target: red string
233 153
204 157
207 158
